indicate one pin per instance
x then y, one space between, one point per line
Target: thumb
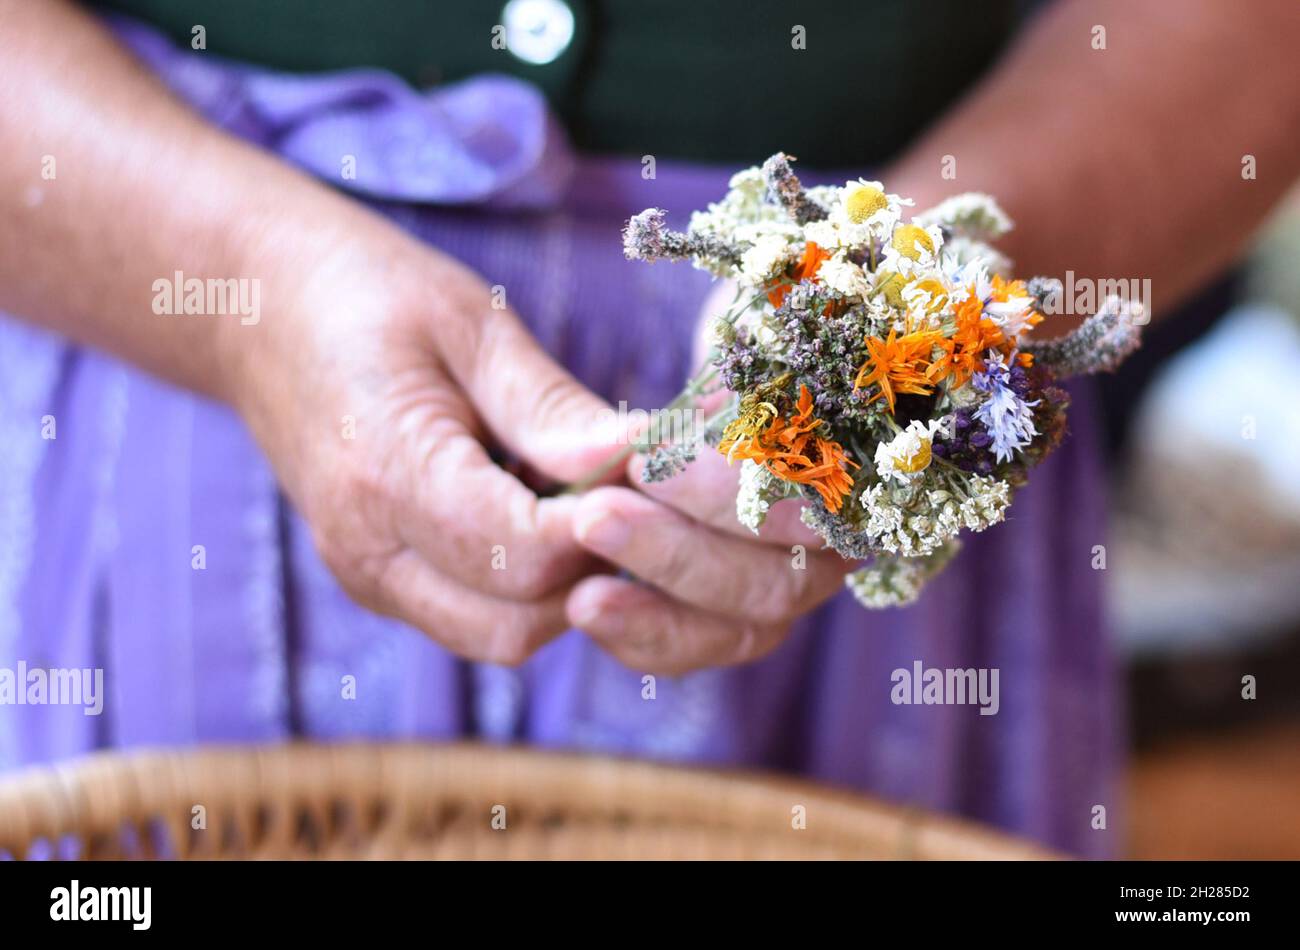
534 406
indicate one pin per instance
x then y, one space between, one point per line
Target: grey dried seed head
1103 342
647 237
787 190
668 460
842 537
1043 289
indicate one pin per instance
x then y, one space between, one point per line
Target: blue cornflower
1004 414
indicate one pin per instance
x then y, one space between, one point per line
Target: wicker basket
443 801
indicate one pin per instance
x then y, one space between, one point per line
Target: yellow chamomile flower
908 453
927 293
862 199
910 239
890 285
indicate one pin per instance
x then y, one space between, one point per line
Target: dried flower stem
699 385
693 390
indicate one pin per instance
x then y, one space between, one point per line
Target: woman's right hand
378 373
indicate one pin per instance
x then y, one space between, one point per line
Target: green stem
597 474
692 390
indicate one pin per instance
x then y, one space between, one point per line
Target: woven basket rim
97 793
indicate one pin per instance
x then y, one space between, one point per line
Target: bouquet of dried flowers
881 367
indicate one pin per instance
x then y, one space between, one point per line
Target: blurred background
1204 564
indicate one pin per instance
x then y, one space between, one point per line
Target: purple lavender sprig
968 445
826 352
742 364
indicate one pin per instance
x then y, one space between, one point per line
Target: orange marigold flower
806 269
897 364
790 449
963 352
1004 290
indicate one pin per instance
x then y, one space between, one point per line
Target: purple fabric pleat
488 141
98 527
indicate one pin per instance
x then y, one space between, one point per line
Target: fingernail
604 532
585 612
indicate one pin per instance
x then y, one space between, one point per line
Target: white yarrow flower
759 489
844 277
891 581
769 256
987 502
972 215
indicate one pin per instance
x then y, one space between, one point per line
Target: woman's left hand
708 592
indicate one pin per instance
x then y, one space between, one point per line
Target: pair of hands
374 397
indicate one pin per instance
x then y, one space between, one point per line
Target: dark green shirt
696 79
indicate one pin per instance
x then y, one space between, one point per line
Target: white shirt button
537 31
